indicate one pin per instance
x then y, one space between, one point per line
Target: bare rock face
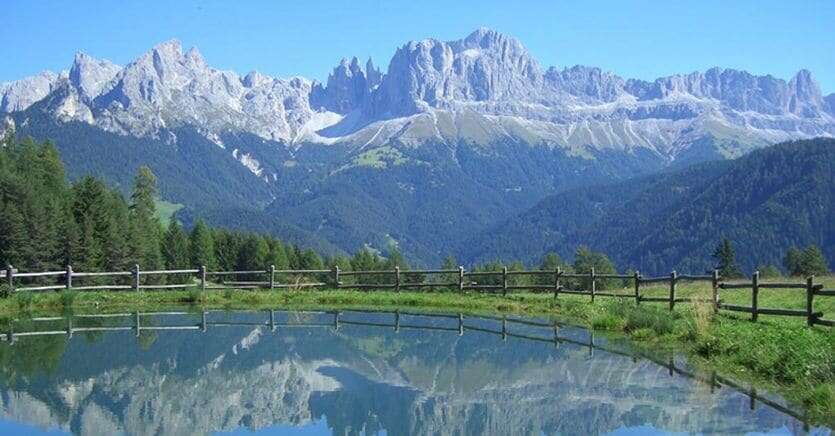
486 66
348 87
90 75
487 84
19 95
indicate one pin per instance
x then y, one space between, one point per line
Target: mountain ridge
486 73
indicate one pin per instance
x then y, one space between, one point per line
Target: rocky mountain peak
486 66
349 86
20 94
805 95
487 77
90 75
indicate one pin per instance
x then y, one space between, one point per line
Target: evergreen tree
792 261
13 235
202 246
253 254
146 228
813 262
451 264
278 255
175 251
310 260
550 262
586 259
726 260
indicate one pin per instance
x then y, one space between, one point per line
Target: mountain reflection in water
395 373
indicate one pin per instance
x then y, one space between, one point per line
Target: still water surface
355 373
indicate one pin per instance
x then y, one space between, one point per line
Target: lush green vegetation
47 223
765 202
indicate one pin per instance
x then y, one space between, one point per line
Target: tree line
47 223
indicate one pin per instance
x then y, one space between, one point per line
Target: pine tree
202 246
311 260
146 225
449 263
726 260
13 235
253 254
585 260
813 262
175 251
792 261
550 262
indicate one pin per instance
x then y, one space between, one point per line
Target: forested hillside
764 202
47 223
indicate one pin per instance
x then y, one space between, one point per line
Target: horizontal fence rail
499 281
458 324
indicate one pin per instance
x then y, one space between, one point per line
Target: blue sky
640 39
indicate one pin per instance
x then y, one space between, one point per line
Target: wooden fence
400 320
434 279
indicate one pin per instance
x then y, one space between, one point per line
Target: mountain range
452 139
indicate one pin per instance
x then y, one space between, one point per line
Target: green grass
166 210
777 353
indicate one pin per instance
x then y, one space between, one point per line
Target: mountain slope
453 138
765 202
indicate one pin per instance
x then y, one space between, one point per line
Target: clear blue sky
639 39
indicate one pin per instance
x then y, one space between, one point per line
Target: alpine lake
355 373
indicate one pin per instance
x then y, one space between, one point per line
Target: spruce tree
586 259
202 246
813 262
550 262
792 261
175 251
278 256
146 226
726 260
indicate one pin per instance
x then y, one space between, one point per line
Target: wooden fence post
136 279
673 279
397 321
204 325
461 279
10 278
637 288
203 278
810 293
396 279
336 276
460 324
68 278
272 277
715 290
504 281
593 284
755 294
557 282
